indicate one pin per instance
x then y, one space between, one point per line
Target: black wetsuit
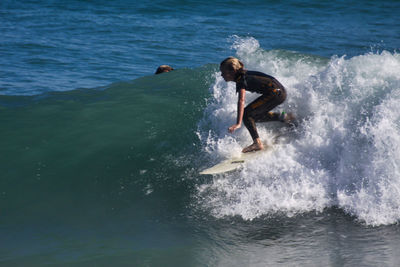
273 94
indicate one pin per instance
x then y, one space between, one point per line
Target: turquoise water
99 158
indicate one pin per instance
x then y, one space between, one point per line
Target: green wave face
99 148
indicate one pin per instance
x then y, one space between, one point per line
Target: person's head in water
164 68
230 67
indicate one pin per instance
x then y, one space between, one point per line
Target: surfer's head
230 67
163 68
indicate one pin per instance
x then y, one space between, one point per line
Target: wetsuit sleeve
241 84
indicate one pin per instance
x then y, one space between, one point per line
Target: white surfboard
234 163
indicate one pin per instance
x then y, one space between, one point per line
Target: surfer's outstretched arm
240 111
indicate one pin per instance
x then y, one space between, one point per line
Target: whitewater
344 153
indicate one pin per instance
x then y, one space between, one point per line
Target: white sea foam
347 148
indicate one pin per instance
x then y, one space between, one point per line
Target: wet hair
231 64
163 68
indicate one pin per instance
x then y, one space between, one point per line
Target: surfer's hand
234 127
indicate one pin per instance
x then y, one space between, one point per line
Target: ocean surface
99 157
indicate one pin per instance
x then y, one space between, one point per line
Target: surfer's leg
250 117
250 124
262 113
259 111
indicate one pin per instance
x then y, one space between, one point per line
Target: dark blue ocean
100 158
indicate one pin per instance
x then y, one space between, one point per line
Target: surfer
163 68
272 94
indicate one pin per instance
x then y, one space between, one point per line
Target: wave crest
345 150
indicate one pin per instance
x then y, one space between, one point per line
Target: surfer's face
228 75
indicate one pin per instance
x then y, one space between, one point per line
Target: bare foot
253 147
